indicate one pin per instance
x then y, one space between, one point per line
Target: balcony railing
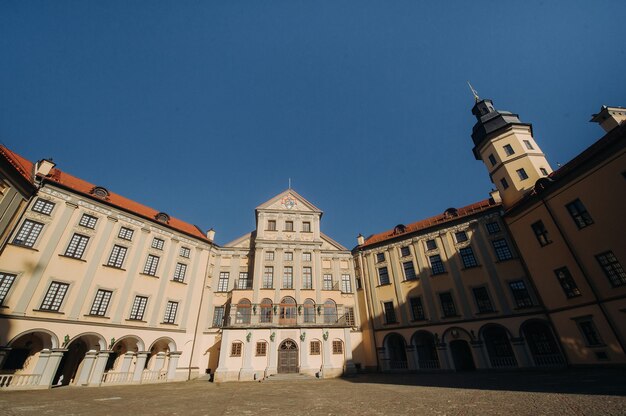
19 380
112 377
297 315
549 360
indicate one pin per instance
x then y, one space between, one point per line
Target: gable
242 242
290 201
330 244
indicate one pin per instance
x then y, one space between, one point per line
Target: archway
73 358
309 311
498 346
266 311
542 344
25 349
427 357
288 357
244 312
396 352
330 312
462 355
287 311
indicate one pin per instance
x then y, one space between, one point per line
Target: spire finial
474 93
289 183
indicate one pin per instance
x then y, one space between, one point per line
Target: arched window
288 310
330 312
266 311
244 311
309 311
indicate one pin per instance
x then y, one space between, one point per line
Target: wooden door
288 357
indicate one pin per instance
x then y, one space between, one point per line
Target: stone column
442 353
98 368
85 371
410 358
159 361
4 353
142 356
519 349
224 352
126 362
326 365
246 373
478 350
173 363
350 368
52 364
42 361
304 353
382 359
272 365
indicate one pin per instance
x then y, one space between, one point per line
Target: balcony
258 316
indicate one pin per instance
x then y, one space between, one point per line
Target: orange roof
83 187
447 216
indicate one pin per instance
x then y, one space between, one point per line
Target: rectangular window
520 294
77 246
126 234
54 297
460 236
543 171
405 251
502 250
417 309
288 256
521 173
504 183
337 347
492 160
390 313
467 255
346 286
261 349
307 278
447 304
179 272
327 282
315 347
218 317
88 221
590 333
268 278
349 314
288 225
436 264
222 283
271 225
306 227
152 262
28 233
235 349
579 214
158 243
492 227
288 277
508 150
269 255
431 244
170 312
6 281
528 145
116 259
567 282
43 206
185 252
380 257
101 302
409 270
482 300
306 256
612 268
243 281
383 276
139 308
541 233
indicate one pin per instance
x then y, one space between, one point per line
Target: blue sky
204 109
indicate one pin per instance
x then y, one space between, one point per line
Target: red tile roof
432 221
78 185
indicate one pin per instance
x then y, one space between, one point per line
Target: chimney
43 167
210 235
609 117
360 240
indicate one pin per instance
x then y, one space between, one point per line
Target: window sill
4 307
48 311
96 316
307 288
438 274
136 320
113 267
271 230
450 316
521 308
179 282
72 258
419 320
505 260
169 323
391 323
485 313
384 284
478 266
149 275
22 246
411 280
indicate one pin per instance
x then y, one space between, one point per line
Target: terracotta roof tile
447 216
22 165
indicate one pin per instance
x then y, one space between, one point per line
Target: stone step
290 377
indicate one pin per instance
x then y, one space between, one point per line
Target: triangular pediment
288 200
242 242
330 244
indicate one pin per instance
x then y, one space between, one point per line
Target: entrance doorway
288 357
70 362
462 355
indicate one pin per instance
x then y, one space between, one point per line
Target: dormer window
162 217
451 212
399 229
100 192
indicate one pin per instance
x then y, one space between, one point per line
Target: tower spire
474 93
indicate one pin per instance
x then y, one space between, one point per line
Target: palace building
98 289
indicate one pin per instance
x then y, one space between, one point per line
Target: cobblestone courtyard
573 392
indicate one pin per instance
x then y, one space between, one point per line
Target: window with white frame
492 227
179 272
43 206
349 314
520 294
288 256
460 236
383 276
306 227
152 263
409 270
158 243
327 282
467 255
170 312
185 252
88 221
431 244
268 277
315 347
243 281
307 278
346 285
261 349
6 281
501 247
306 256
337 347
126 234
222 284
101 302
288 277
288 225
235 349
436 264
77 246
139 308
28 233
405 251
218 316
54 296
269 255
116 259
